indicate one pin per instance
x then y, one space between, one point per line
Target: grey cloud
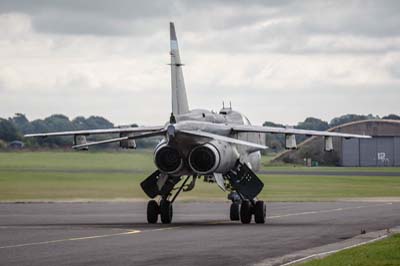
368 18
96 17
211 30
103 17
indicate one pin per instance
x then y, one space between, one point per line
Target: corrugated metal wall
378 151
397 151
350 152
385 151
368 152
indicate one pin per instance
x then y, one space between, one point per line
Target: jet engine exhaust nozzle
168 159
204 159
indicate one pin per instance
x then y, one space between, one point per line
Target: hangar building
382 150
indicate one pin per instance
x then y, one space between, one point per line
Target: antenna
172 119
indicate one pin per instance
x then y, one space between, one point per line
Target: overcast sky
274 60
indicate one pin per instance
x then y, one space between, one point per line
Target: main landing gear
245 186
164 209
243 210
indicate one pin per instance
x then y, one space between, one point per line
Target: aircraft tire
166 211
245 212
260 212
152 211
234 213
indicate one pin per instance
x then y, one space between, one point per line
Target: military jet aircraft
220 147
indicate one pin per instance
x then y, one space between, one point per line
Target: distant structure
16 145
382 150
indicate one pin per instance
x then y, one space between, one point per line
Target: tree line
15 127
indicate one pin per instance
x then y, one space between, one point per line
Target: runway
116 233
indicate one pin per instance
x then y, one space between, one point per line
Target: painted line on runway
131 232
169 228
323 254
328 211
70 239
314 212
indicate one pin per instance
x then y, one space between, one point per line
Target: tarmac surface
116 233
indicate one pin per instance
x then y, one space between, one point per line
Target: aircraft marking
130 232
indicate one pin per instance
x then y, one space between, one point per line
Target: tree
391 116
21 123
58 122
8 132
98 122
350 118
313 124
276 142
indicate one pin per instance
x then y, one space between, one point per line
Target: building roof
372 127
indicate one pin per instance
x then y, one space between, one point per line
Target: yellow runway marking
162 229
131 232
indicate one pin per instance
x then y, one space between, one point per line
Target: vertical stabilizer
179 98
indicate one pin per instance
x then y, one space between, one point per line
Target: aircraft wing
294 131
97 131
139 136
208 135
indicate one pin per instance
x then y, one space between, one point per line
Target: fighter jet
222 147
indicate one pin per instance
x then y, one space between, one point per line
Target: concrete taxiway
116 233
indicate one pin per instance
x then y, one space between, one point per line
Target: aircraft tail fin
179 98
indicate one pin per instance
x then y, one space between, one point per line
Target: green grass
385 252
124 160
98 175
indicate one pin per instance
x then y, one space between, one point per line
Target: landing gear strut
164 209
245 186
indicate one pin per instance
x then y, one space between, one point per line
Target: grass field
384 252
101 175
